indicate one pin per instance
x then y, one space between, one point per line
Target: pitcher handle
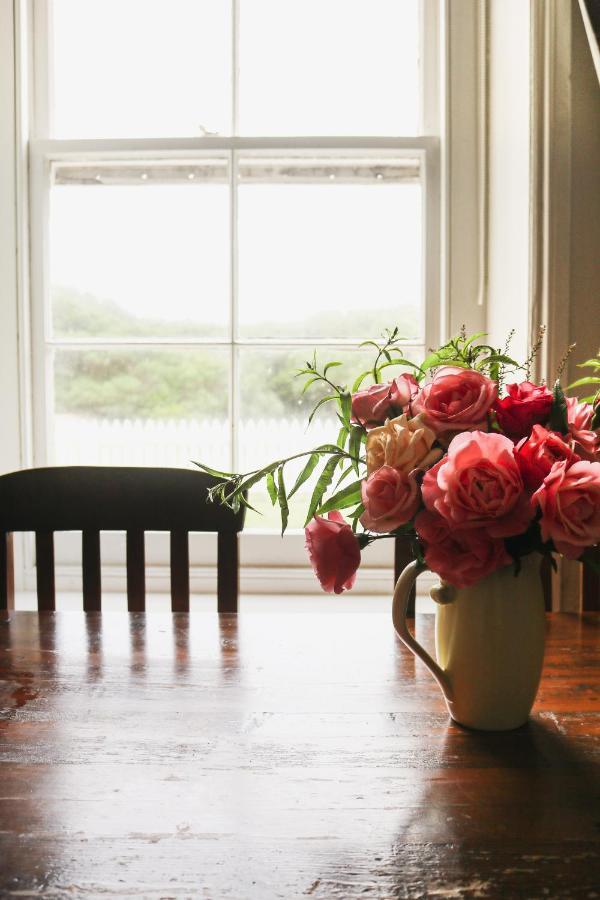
399 609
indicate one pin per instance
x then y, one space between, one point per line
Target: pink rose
537 454
478 485
456 400
333 551
461 557
390 497
579 417
526 405
403 390
569 499
373 405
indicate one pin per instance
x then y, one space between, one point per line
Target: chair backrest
92 499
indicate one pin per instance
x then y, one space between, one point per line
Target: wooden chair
92 499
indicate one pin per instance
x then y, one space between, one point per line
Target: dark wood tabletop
284 755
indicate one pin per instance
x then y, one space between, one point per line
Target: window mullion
233 317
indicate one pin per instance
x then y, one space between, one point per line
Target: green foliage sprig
594 378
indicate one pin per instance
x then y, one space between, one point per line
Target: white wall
509 173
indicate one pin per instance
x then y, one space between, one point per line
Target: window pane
318 67
141 407
140 250
140 68
329 248
273 415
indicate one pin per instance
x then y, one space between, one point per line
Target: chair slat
44 562
136 576
227 574
180 572
590 587
92 581
7 572
403 555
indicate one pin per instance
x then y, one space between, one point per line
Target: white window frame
449 149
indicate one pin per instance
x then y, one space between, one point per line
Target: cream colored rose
405 444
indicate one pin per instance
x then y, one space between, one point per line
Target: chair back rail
92 499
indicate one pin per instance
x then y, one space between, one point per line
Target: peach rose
478 485
456 400
585 440
390 497
569 499
461 557
405 444
333 551
537 454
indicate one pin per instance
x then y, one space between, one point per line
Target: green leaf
283 504
329 366
558 413
359 380
594 363
356 437
306 472
214 472
319 404
325 479
271 488
251 480
344 475
589 379
342 435
474 337
346 407
497 358
349 496
309 381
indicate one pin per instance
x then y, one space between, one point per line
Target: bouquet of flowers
463 454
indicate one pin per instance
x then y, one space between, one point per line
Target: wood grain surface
290 755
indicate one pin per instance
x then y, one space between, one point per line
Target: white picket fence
80 440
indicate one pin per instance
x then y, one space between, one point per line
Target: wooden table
290 755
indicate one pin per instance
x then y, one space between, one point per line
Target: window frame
447 160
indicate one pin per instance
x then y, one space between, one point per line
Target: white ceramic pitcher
489 643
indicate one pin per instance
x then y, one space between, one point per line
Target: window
196 241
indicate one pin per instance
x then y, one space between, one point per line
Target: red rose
333 551
537 454
526 405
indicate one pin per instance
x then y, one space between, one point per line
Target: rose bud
333 551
